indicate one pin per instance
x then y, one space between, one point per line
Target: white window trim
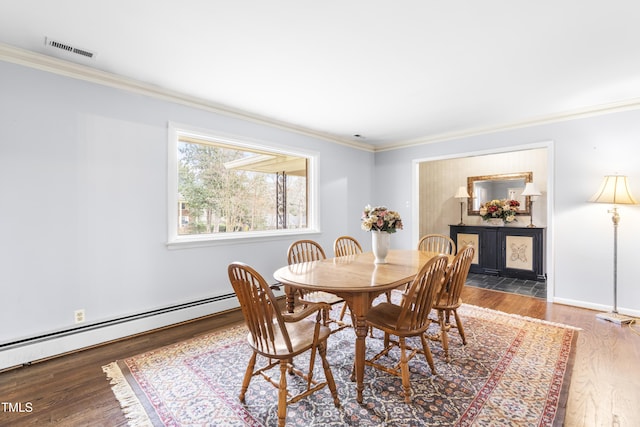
175 131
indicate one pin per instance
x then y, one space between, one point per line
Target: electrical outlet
78 315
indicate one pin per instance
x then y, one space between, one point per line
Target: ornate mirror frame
518 180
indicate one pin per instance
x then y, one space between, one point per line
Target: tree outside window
224 188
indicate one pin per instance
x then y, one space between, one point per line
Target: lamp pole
616 220
461 194
531 191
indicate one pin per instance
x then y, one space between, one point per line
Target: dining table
358 280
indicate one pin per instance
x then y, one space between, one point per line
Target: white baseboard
30 352
597 307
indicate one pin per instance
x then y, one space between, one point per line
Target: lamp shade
462 193
531 190
614 190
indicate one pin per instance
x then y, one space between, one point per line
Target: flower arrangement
504 209
381 219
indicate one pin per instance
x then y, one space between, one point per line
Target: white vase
380 241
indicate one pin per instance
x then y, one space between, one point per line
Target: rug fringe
131 406
518 316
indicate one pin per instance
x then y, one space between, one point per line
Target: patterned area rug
514 371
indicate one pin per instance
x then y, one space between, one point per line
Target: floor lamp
531 191
614 190
461 195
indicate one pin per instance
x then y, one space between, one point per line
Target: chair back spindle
346 245
305 251
456 277
438 243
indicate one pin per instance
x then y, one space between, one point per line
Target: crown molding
82 72
597 110
61 67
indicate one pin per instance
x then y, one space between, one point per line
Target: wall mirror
504 186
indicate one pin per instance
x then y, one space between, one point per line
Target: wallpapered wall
439 180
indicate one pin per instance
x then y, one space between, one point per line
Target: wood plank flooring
72 390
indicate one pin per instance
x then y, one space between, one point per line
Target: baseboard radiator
32 349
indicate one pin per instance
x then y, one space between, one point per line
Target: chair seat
384 316
300 334
320 296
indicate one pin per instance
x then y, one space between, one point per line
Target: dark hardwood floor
72 390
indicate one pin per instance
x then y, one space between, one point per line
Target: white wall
581 246
83 221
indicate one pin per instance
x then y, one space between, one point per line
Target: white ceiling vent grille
65 47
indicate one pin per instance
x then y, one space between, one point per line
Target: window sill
224 239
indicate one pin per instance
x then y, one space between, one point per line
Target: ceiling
394 73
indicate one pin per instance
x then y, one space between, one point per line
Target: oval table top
355 273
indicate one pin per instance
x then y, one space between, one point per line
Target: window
226 188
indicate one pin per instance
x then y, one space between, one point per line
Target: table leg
290 296
359 307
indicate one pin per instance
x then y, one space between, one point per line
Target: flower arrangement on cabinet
504 209
380 218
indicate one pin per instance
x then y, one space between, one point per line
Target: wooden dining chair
409 319
438 243
346 245
280 338
306 251
448 299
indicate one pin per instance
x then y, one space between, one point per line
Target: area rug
514 371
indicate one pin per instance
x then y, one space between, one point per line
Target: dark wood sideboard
504 251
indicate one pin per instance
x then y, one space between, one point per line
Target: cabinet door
485 242
522 253
519 252
489 250
464 239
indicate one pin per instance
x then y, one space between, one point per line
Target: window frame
174 240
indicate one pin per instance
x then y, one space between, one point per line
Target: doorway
438 179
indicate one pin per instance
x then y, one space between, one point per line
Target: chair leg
328 374
460 328
282 394
404 369
312 363
387 339
325 317
343 311
427 353
247 376
443 334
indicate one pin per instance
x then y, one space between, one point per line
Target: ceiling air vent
59 46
